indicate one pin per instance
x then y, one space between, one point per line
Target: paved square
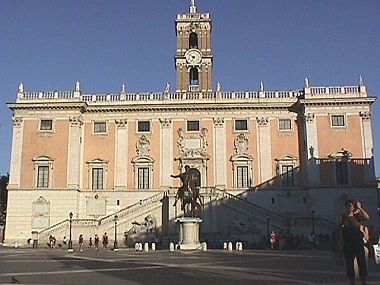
57 266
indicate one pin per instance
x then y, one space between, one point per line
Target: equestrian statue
188 193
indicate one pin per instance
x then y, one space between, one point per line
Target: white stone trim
220 152
43 160
265 151
166 152
97 163
121 154
312 149
242 160
74 153
16 153
143 161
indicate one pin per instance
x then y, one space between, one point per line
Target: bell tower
194 58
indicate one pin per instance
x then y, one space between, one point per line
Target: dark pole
115 242
313 226
70 241
268 237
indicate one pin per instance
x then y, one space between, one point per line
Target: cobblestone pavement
57 266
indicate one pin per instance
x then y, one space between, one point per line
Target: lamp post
70 240
115 248
268 237
313 226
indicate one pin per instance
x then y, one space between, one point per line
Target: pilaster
74 155
265 151
312 149
220 152
16 153
367 145
121 154
166 151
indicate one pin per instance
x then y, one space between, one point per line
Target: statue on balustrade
188 192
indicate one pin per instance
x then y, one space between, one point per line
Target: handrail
283 219
132 208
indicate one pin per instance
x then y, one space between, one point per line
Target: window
193 40
46 125
43 177
97 174
341 173
43 171
338 121
284 124
100 127
287 175
192 126
241 125
143 178
242 176
143 126
194 76
97 178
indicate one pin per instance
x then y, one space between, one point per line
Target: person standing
96 242
81 242
105 240
90 242
352 239
273 239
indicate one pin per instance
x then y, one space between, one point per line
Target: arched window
193 40
194 76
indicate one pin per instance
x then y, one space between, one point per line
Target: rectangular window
100 127
338 121
241 125
143 178
242 176
341 173
192 126
43 177
46 125
287 175
284 124
97 178
143 126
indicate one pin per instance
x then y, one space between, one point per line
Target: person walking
352 240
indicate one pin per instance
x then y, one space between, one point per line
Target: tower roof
193 8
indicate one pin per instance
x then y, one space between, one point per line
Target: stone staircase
260 214
89 227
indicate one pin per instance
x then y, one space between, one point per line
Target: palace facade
266 159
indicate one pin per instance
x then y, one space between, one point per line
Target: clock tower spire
194 58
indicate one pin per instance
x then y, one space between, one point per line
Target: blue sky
48 45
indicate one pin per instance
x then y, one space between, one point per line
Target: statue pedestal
189 233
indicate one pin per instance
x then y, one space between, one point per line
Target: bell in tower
194 58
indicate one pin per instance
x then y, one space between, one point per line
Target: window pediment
241 157
42 158
97 161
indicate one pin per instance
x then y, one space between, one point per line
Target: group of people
91 242
94 242
354 241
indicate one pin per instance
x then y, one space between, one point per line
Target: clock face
193 56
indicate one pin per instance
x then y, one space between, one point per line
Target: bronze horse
188 193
